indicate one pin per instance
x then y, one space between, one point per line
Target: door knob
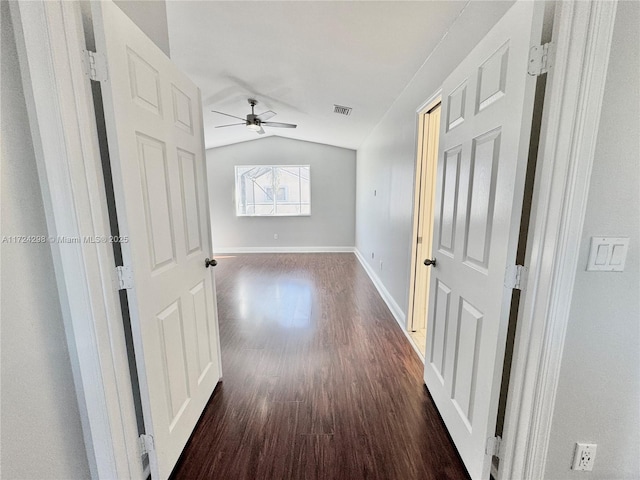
210 262
429 262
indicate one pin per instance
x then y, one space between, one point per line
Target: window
272 190
281 195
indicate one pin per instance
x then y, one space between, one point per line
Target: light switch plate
608 254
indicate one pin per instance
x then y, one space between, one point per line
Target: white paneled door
487 105
154 129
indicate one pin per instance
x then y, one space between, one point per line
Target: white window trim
279 215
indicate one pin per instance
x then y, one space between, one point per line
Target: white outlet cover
608 254
584 457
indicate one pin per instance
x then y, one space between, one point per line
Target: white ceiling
299 58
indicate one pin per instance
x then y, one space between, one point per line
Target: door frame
582 33
49 40
421 112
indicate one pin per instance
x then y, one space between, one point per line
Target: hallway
319 381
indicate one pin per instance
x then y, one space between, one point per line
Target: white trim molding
227 250
395 309
575 89
393 306
50 41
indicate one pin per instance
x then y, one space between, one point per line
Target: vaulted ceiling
299 58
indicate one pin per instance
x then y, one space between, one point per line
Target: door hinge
146 444
95 65
540 59
493 446
419 240
125 277
516 277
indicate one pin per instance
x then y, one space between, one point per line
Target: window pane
273 190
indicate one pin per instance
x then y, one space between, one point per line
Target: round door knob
210 262
429 262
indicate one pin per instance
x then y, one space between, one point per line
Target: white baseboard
227 250
394 308
396 311
413 344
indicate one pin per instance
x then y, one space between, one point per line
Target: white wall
41 436
598 397
333 177
151 17
386 160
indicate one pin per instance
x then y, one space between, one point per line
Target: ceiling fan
256 122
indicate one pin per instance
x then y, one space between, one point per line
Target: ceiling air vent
342 110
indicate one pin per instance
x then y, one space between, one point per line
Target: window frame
237 199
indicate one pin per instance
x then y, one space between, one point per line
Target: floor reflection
264 300
319 382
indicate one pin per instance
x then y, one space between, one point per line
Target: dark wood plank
319 382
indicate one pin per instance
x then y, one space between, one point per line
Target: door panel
492 78
154 128
456 103
182 110
468 328
449 200
173 360
482 159
483 167
152 156
439 323
189 194
199 305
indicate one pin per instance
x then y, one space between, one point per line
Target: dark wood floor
319 381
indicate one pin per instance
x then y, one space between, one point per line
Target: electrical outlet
584 456
373 255
275 236
380 264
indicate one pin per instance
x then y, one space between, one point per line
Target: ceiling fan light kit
255 122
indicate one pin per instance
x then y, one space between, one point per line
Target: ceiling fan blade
231 125
261 131
266 115
232 116
279 125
